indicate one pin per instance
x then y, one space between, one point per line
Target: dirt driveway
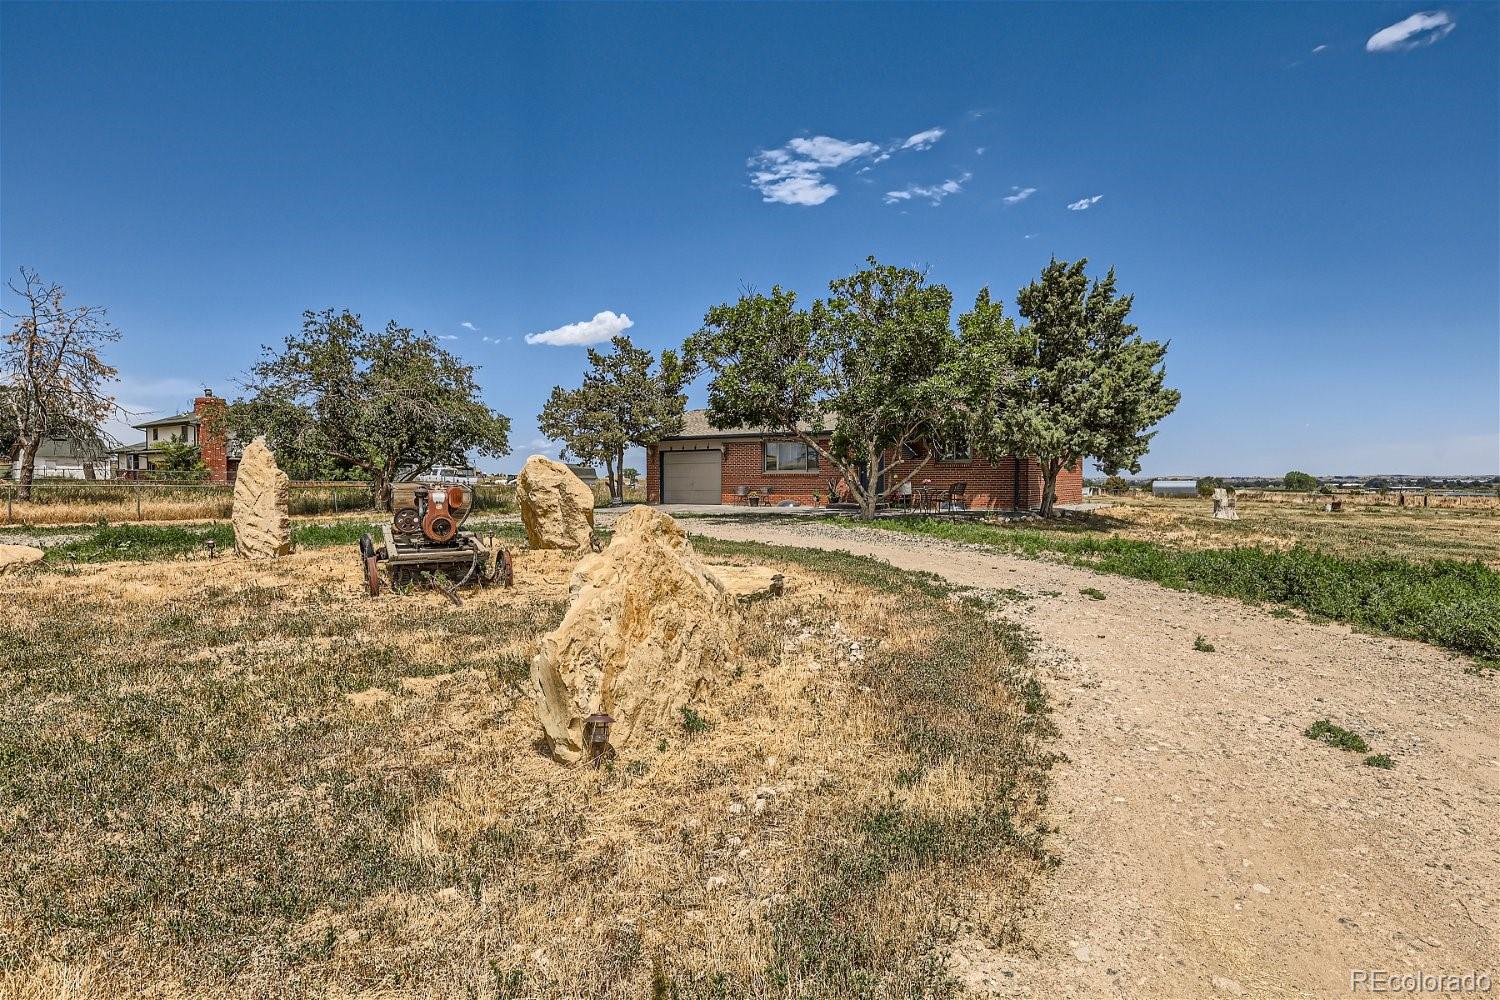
1209 848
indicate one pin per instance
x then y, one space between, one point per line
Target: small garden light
210 545
596 735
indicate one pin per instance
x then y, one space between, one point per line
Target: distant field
1418 574
1359 532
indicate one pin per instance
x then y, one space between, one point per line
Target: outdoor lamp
596 735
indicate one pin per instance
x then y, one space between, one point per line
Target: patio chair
742 494
956 494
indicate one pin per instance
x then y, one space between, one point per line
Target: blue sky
1304 198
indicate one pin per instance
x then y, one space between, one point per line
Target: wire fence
82 501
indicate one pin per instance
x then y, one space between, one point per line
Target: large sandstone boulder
556 507
648 630
1224 505
13 557
262 526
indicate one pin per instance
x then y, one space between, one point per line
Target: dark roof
138 446
181 418
695 425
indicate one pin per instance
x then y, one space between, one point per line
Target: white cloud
446 336
794 174
1318 49
603 326
827 151
1084 203
1031 236
1018 194
469 326
1424 28
924 140
979 151
934 194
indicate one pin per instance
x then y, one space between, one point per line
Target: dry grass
1356 532
241 780
124 509
64 501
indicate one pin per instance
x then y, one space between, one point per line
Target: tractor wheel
372 574
366 546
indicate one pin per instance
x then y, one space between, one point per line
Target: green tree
1300 482
871 360
1207 485
628 397
179 460
1115 485
1073 382
389 403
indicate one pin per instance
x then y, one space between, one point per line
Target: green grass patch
1444 602
692 722
1336 736
1380 760
1202 645
1092 593
117 542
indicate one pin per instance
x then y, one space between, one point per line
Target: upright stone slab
556 507
262 526
649 630
1224 508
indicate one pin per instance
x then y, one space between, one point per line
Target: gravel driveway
1209 847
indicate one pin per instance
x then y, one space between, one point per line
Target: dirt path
1209 848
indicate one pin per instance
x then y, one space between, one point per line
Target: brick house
219 453
712 465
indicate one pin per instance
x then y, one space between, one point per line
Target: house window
957 451
790 456
156 433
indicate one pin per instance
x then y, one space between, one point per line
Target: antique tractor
424 542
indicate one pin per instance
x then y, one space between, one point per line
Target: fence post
137 503
335 499
10 496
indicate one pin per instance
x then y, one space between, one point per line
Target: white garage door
691 476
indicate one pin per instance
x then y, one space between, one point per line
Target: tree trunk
869 497
28 471
380 486
1050 469
619 483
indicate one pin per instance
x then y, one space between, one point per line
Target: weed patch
1336 736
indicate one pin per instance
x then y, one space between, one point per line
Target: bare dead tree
51 367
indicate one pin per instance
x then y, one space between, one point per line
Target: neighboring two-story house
200 426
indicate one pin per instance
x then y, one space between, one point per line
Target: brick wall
988 485
210 412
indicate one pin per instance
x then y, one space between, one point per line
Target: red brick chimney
209 409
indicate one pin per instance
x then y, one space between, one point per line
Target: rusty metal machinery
424 541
